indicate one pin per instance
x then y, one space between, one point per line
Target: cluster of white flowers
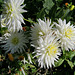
49 41
15 40
47 38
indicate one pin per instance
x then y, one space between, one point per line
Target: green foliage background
53 9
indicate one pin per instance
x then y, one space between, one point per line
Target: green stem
66 12
51 71
36 71
28 20
46 72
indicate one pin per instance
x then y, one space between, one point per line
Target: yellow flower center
69 33
15 40
52 50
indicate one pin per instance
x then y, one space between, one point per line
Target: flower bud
72 7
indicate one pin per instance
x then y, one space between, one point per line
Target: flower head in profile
12 16
40 29
48 51
16 42
66 34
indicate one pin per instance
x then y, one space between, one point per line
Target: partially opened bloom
16 42
47 51
12 16
40 29
66 34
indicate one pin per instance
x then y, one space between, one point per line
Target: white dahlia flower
12 16
40 29
48 51
66 34
16 42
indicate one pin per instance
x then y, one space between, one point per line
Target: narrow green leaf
70 64
58 63
32 66
74 72
66 12
59 13
72 54
41 14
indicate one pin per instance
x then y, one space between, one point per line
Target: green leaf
66 12
70 63
41 14
52 12
33 70
32 66
48 5
58 63
26 73
69 54
72 54
59 13
74 72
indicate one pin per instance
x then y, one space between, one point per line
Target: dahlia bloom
66 34
48 51
16 42
40 29
12 16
